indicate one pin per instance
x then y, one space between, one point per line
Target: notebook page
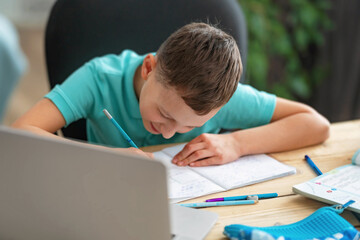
345 179
337 186
184 183
245 171
172 151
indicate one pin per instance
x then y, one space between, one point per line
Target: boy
187 92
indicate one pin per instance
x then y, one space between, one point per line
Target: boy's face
164 112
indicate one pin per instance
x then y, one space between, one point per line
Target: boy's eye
164 116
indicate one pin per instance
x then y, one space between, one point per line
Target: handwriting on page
245 171
184 183
347 181
188 182
339 185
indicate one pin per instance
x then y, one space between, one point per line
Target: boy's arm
45 119
293 125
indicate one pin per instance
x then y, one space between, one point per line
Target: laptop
56 189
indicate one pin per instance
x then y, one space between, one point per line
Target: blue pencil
243 197
313 166
127 138
215 204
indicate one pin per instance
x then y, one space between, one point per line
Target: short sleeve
75 96
247 108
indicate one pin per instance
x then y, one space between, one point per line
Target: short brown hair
202 63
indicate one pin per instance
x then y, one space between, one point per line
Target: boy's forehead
175 107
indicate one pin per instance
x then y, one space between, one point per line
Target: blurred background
29 17
306 50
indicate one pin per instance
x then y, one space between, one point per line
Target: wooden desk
288 207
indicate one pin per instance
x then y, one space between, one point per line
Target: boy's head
202 63
194 73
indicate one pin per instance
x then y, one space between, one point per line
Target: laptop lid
56 189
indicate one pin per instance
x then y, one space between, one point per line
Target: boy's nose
168 131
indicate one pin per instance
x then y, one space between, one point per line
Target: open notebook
335 187
190 182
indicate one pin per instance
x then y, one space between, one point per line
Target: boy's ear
148 65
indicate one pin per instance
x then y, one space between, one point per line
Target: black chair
79 30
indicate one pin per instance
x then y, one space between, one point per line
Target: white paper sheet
190 182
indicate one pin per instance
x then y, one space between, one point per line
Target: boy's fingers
196 140
146 154
187 151
200 154
206 162
141 152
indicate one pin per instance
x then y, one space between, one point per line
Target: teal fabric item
12 62
356 158
107 82
325 223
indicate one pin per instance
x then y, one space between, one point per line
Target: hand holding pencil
134 149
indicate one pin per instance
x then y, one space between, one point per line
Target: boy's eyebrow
168 115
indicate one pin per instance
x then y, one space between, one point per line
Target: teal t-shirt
107 82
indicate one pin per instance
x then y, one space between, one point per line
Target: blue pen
120 128
243 197
215 204
313 166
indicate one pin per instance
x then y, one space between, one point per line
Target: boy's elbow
17 124
323 127
325 130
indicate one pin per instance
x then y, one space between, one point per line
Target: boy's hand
208 149
137 151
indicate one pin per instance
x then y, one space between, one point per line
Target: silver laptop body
55 189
